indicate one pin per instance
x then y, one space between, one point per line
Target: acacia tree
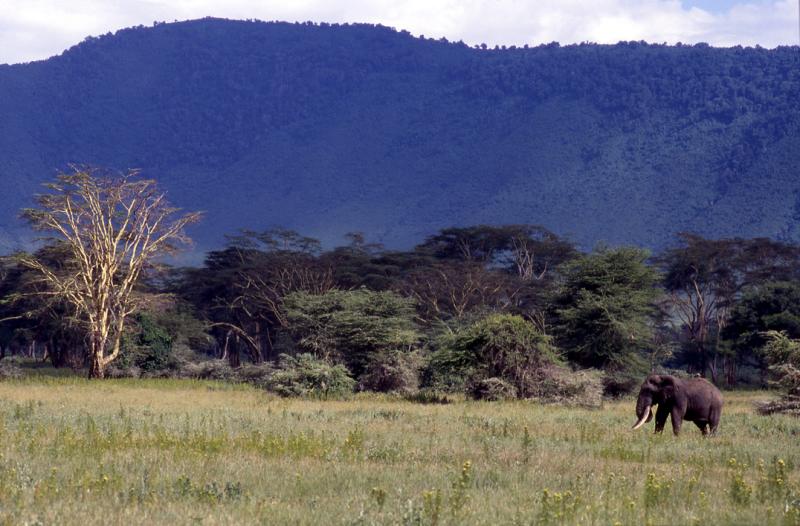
113 226
704 279
240 290
526 250
604 310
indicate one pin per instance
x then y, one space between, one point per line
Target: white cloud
36 29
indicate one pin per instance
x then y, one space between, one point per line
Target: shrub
500 346
258 375
209 370
428 396
392 371
150 348
9 370
305 375
564 386
113 371
620 383
351 326
783 356
491 389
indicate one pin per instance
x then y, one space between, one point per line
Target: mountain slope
328 129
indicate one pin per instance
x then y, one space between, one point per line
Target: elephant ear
668 386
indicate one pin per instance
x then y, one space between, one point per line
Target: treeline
493 311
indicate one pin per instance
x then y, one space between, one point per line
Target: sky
37 29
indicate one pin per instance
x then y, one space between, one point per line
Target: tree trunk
713 368
96 369
57 355
701 351
269 348
729 366
234 359
257 353
225 346
96 366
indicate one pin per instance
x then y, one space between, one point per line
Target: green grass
183 452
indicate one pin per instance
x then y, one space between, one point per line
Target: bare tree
705 277
452 289
258 307
113 226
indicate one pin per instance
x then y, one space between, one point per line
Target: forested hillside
328 129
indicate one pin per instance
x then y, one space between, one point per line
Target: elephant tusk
644 418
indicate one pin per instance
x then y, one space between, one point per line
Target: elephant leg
677 421
703 425
714 420
661 417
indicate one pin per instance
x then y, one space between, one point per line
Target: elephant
695 399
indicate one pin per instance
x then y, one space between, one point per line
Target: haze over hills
329 129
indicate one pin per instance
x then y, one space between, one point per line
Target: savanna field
190 452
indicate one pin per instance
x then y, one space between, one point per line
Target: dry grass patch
192 452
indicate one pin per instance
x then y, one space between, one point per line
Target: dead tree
113 227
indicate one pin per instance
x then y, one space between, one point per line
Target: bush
428 396
620 383
563 386
113 371
257 375
392 371
491 389
305 375
788 405
149 349
783 356
209 370
500 346
9 370
351 326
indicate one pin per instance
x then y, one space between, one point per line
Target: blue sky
714 6
37 29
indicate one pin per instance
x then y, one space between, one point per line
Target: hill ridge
329 128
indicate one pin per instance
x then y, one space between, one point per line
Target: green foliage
150 349
604 308
740 490
558 507
705 278
783 356
352 327
502 347
656 490
392 371
773 306
491 389
307 376
563 386
209 370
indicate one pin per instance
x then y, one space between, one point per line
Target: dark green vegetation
489 312
329 129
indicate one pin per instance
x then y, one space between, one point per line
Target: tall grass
188 452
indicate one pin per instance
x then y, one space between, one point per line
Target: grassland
180 452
